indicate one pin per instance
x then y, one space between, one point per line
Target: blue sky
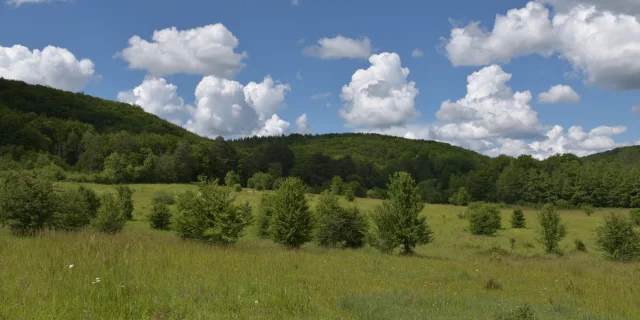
573 43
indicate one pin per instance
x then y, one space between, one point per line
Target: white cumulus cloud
158 97
227 108
559 94
380 96
635 109
53 66
602 45
207 50
631 7
417 53
340 47
302 124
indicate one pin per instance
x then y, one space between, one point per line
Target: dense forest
77 137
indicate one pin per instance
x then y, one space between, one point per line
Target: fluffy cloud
559 94
340 47
226 107
635 109
417 53
603 45
380 96
158 97
621 6
207 50
302 124
18 3
490 109
53 66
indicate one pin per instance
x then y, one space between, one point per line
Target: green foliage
231 179
237 188
337 185
211 215
338 226
265 212
349 195
291 223
73 211
160 217
110 217
460 197
397 222
518 220
634 215
523 312
27 202
91 199
550 229
164 197
125 198
580 246
485 220
588 209
617 239
377 193
261 181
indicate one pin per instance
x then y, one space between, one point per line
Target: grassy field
146 274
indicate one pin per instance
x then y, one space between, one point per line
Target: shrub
265 212
563 204
211 215
110 217
588 209
337 185
397 222
492 284
377 193
634 215
72 211
231 179
276 183
523 312
349 195
460 197
160 216
617 239
237 188
518 220
291 224
125 198
485 220
550 230
27 202
580 246
91 198
261 181
164 197
338 226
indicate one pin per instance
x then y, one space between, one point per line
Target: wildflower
70 266
256 301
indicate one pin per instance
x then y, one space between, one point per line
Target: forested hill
77 137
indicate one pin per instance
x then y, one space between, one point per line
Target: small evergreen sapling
110 217
485 220
338 226
27 202
550 230
125 197
518 220
292 223
160 216
617 239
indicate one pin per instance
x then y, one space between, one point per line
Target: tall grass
147 274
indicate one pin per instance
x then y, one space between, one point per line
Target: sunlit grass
146 274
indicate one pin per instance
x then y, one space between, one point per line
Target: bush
523 312
338 226
164 197
261 181
160 216
397 222
337 185
27 202
580 246
276 183
550 230
211 215
492 284
634 215
617 239
291 224
588 209
265 212
517 219
72 211
237 188
485 220
460 197
92 200
110 217
563 204
125 198
377 193
349 195
231 179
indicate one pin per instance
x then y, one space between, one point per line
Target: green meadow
146 274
